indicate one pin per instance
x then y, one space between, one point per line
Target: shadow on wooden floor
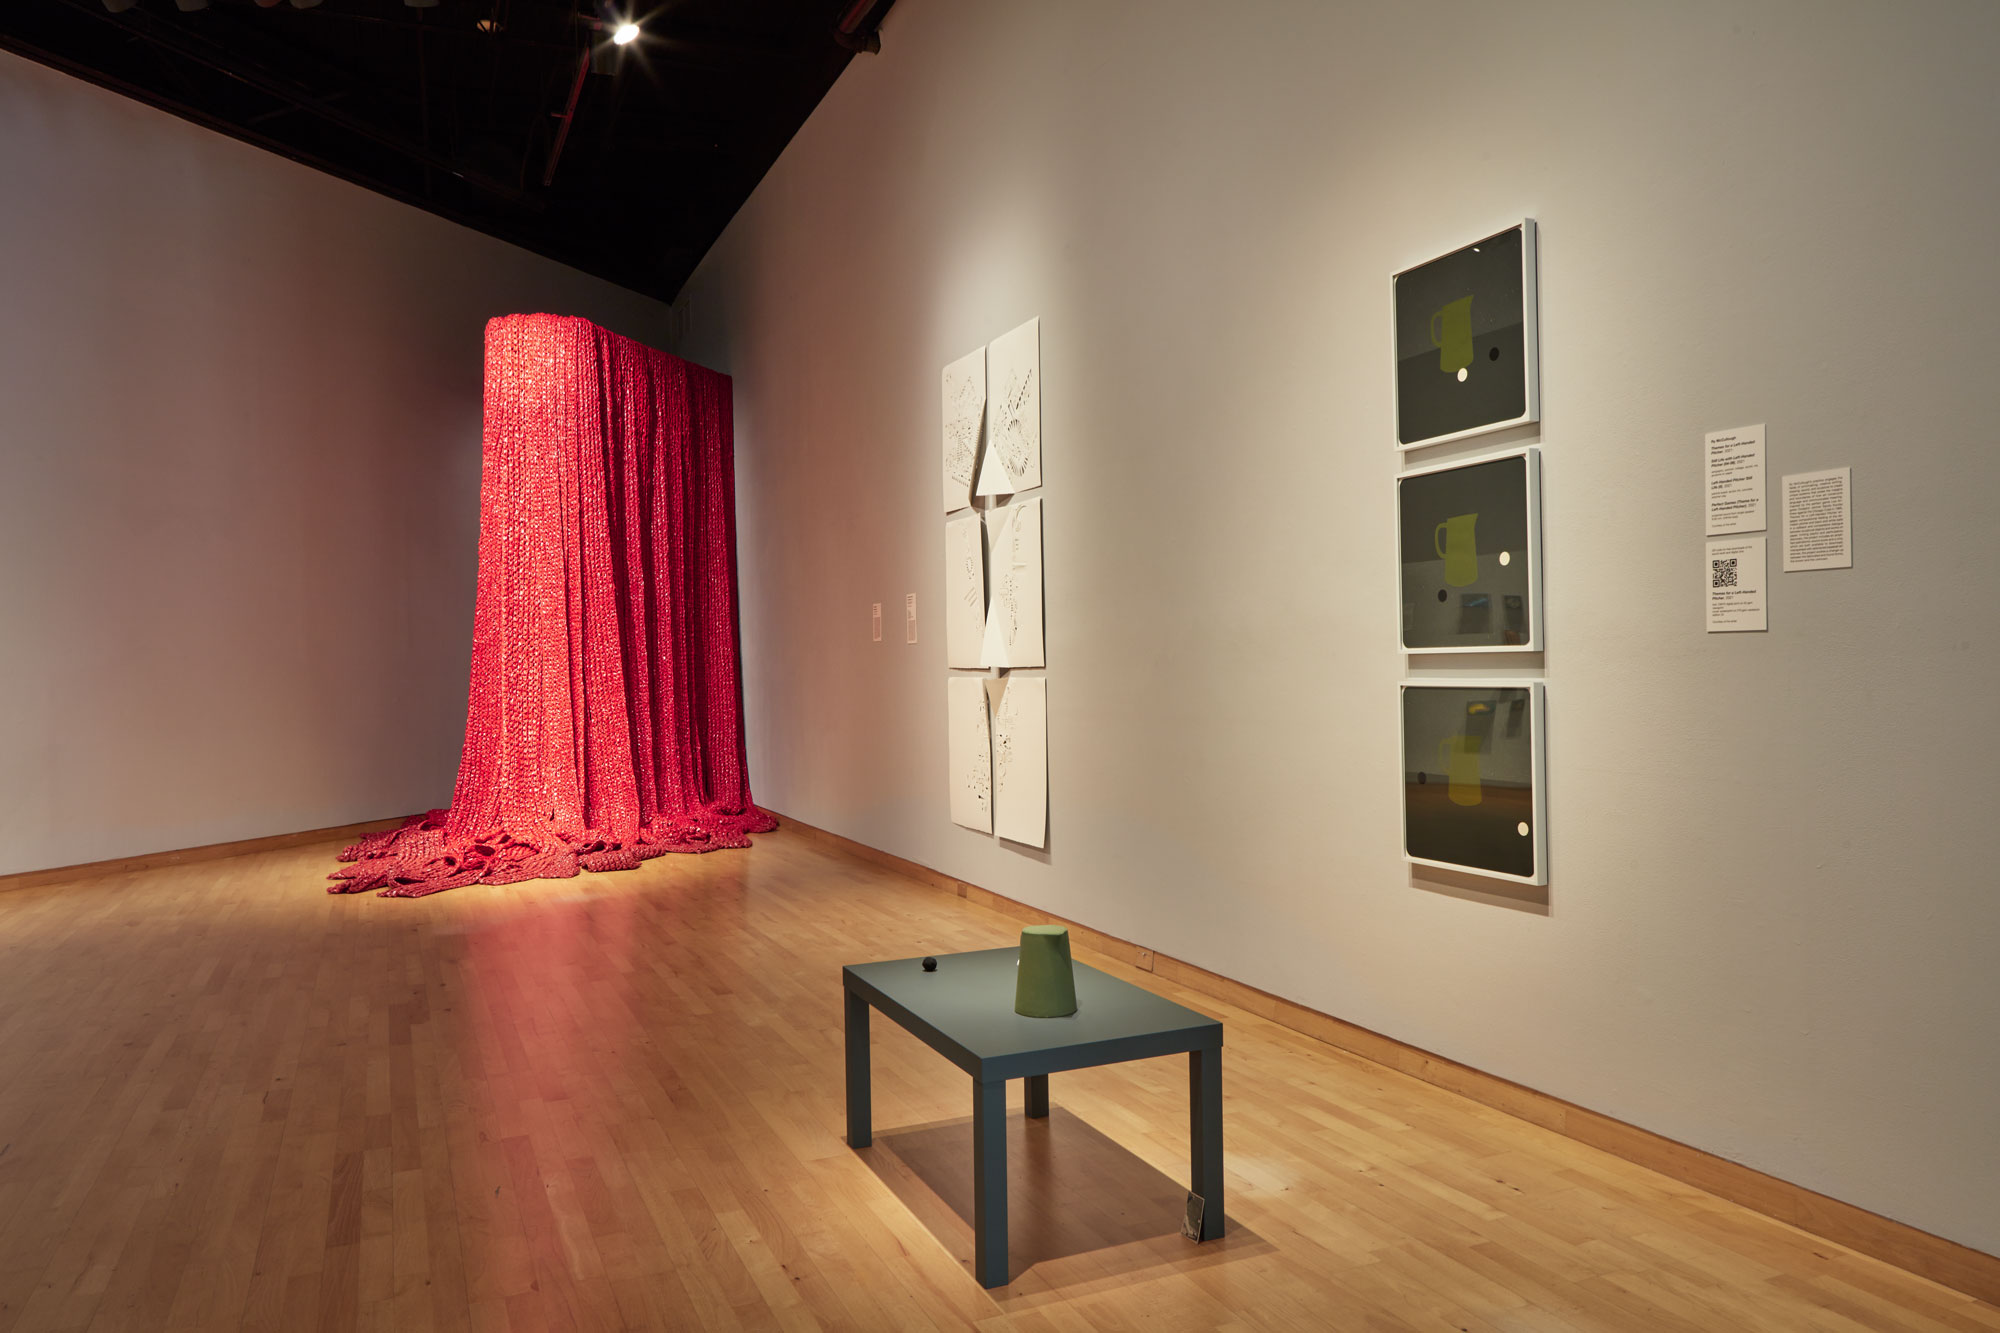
1080 1207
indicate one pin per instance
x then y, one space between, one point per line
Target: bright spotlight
624 34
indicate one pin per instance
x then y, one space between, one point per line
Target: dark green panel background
1432 402
1483 836
1498 493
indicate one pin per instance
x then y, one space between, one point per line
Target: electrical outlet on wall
878 622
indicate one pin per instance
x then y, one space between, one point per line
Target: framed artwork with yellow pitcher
1467 354
1474 777
1469 538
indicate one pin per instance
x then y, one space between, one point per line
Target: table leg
1205 1124
989 1183
860 1117
1036 1087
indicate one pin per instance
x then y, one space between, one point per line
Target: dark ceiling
459 106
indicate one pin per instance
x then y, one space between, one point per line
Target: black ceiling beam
326 14
653 163
235 130
568 118
169 37
688 43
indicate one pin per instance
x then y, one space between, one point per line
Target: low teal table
965 1012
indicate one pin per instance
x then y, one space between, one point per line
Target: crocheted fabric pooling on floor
605 720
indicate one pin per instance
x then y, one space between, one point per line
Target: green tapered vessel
1046 985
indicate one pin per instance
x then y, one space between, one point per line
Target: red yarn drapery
605 720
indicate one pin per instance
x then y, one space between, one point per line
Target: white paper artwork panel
1014 613
971 753
964 412
1021 759
1013 412
964 591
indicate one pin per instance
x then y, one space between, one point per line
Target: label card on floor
1734 577
1733 466
1191 1220
1819 520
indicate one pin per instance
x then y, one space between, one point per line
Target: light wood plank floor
228 1100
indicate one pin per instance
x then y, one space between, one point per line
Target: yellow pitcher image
1451 334
1456 544
1460 756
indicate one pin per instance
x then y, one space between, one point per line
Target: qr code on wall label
1725 572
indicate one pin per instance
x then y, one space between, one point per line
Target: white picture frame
1409 600
1491 827
1401 281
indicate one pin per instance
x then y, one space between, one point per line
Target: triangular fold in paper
993 645
996 689
1013 636
993 479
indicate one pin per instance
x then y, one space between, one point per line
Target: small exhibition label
1734 471
1819 520
1734 577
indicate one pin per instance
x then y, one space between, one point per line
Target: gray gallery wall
239 477
1772 920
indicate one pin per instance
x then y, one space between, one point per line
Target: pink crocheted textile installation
605 722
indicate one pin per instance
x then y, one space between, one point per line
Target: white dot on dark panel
1461 374
1506 558
1521 828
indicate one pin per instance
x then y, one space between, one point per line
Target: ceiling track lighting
599 57
621 28
622 31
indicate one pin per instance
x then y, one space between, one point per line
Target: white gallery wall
1772 920
239 480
